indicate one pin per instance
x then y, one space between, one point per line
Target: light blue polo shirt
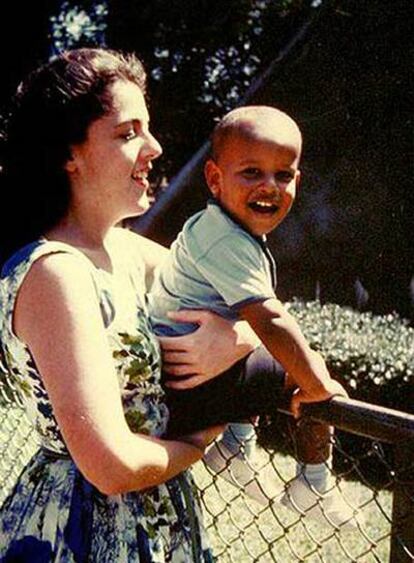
213 264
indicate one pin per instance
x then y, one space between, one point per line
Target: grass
241 530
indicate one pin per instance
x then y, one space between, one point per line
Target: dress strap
21 260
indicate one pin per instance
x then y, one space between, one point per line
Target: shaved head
256 122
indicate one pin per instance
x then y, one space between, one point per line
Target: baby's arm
281 335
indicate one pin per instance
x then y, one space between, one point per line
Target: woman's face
109 170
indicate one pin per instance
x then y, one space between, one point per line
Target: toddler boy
220 262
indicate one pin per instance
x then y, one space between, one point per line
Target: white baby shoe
240 471
329 508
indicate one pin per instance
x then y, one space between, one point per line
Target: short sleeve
237 269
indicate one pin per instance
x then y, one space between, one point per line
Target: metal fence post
402 533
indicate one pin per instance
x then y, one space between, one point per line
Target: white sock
318 475
240 439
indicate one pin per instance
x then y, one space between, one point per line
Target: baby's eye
284 176
251 172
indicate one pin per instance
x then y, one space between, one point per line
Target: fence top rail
358 417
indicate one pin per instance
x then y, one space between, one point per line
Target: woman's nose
152 147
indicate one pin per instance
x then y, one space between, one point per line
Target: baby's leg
257 389
234 458
228 398
240 439
216 402
257 386
253 386
314 490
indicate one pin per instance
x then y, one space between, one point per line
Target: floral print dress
53 513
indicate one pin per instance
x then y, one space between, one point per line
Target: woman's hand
214 347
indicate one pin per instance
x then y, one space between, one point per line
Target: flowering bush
372 355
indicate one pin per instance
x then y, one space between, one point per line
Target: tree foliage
77 25
349 237
201 55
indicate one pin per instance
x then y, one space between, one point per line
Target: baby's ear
212 174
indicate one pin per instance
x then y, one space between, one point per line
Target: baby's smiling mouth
265 207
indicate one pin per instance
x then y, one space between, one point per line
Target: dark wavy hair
51 111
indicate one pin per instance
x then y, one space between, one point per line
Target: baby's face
255 178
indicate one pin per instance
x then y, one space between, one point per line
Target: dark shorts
253 386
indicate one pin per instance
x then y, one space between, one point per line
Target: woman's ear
70 165
213 177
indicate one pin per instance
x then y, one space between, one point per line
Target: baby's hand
330 388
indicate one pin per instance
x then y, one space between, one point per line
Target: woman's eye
129 135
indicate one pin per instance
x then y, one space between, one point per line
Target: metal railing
393 427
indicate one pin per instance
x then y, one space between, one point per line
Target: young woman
75 334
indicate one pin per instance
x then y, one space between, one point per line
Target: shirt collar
213 201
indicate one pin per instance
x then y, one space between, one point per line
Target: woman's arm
57 315
214 347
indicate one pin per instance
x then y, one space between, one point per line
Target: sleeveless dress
53 513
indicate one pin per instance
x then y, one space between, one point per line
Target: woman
74 329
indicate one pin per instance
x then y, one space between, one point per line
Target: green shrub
373 357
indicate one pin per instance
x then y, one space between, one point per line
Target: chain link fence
375 478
